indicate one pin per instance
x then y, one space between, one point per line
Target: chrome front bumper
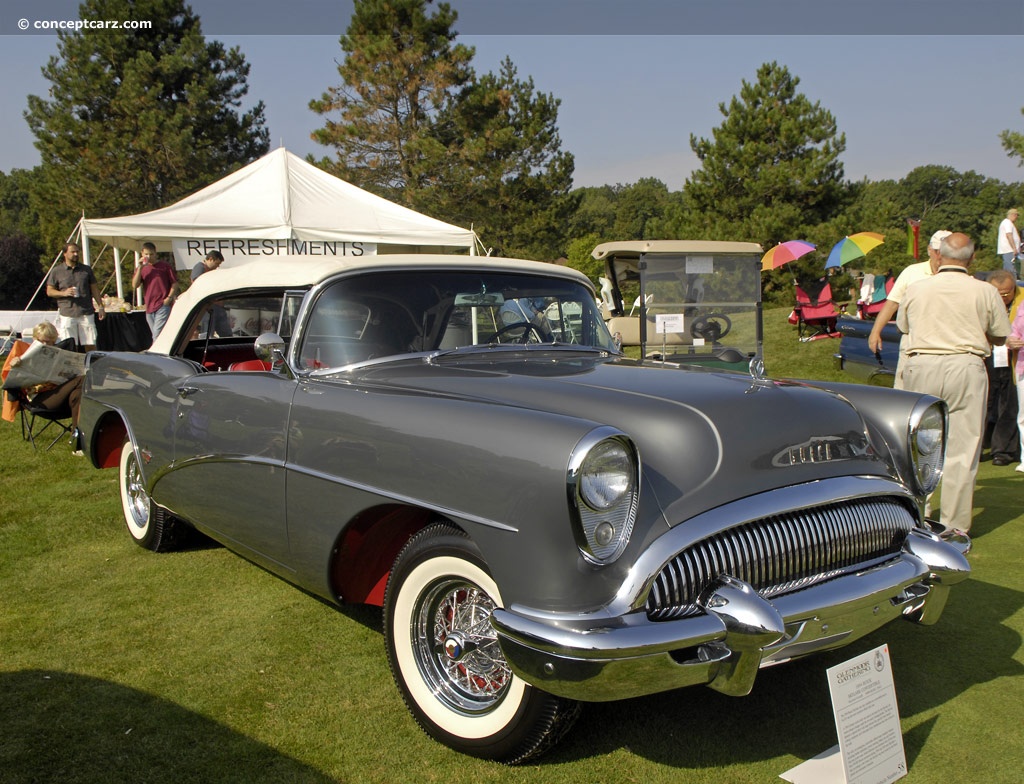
608 659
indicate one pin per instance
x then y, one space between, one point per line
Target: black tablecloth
123 332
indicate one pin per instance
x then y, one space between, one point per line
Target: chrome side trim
402 499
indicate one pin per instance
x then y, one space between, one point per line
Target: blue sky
630 100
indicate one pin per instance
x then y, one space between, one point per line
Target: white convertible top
303 273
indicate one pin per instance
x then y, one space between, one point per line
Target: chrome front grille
783 553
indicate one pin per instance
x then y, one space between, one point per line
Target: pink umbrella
785 252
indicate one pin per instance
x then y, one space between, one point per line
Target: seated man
49 396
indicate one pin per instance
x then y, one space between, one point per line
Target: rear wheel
445 656
149 525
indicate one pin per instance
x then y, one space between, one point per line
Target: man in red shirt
160 283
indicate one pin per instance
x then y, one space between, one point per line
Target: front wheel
149 525
445 656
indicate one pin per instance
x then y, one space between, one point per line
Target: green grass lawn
119 665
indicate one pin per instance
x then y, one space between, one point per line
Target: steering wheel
528 330
712 327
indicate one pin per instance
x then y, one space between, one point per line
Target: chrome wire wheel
447 660
455 647
134 498
149 524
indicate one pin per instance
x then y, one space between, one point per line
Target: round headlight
927 445
929 431
607 475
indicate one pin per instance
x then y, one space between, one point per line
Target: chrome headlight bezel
926 442
603 481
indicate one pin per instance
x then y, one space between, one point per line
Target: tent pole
83 241
137 293
117 273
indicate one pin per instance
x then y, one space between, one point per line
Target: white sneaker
1020 468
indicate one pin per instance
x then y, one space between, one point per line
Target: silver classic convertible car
543 520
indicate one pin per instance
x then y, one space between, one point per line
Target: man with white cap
951 321
912 274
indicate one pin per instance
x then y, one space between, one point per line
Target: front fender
140 391
888 414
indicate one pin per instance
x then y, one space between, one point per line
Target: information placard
868 718
870 749
667 323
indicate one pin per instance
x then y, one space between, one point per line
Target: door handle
187 391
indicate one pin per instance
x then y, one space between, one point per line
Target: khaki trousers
961 380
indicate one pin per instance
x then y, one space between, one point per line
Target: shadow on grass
999 500
57 726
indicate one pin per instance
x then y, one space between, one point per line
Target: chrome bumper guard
608 659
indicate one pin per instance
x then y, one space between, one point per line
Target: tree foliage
17 215
504 172
771 169
20 273
402 68
412 122
622 212
136 119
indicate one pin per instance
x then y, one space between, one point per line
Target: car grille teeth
782 553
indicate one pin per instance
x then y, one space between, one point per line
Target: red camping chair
871 305
816 313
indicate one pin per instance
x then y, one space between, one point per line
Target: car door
230 442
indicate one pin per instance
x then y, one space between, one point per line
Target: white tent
281 197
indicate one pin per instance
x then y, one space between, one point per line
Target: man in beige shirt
911 274
951 320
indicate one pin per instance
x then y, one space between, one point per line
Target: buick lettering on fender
543 520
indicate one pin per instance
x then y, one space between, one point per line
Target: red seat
815 311
250 364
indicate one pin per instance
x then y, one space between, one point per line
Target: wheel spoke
462 657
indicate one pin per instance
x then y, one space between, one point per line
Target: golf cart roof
637 248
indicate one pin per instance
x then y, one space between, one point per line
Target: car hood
704 438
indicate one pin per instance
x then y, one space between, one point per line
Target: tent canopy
280 197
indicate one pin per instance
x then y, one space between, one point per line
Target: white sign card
1000 356
700 265
867 719
665 323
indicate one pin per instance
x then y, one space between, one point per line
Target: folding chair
873 300
36 420
815 311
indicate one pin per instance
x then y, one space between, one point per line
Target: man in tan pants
951 321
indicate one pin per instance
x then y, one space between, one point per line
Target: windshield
393 313
689 307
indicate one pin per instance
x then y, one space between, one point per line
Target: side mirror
270 348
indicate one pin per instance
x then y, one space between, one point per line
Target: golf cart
684 301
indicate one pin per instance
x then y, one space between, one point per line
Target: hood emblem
817 450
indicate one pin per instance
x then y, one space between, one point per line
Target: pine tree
136 119
419 127
505 173
401 70
772 168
